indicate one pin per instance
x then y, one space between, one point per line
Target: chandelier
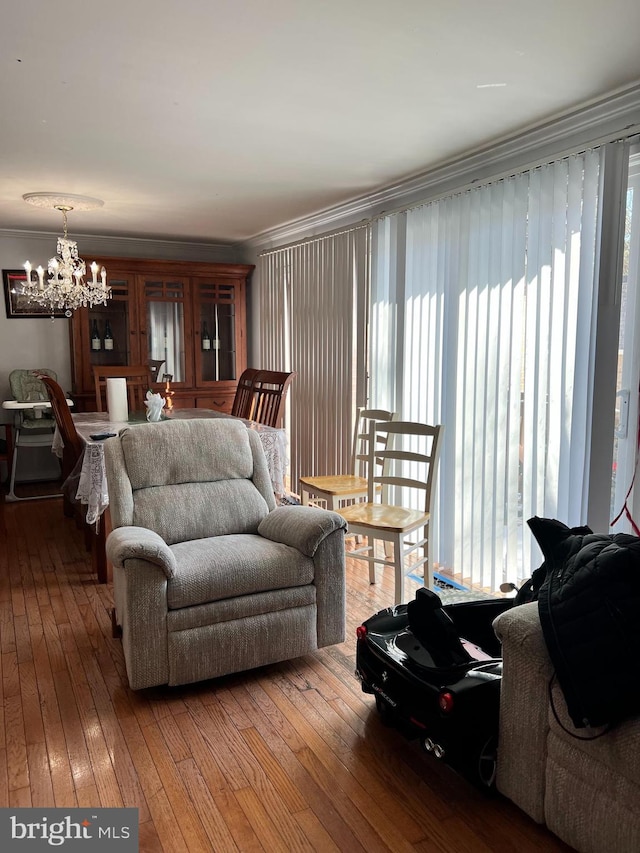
66 287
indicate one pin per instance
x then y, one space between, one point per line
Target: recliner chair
209 578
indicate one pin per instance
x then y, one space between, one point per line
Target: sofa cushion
591 806
222 567
617 749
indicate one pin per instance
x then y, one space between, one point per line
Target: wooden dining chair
138 378
243 400
72 452
407 465
270 389
335 490
73 446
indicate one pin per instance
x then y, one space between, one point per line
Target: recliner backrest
188 479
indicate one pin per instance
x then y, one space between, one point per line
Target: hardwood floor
285 758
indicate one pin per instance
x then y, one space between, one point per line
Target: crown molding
132 246
602 119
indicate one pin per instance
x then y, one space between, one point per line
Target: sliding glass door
626 506
483 306
493 311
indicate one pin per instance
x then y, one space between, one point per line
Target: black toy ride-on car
435 672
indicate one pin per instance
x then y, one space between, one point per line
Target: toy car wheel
385 711
486 763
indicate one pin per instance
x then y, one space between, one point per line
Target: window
482 309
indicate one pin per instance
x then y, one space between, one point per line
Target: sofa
584 784
209 577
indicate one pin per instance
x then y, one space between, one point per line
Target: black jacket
589 606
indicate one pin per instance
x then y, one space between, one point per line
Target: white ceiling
214 120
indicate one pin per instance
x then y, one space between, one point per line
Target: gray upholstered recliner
209 577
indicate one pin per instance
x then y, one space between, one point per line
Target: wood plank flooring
290 757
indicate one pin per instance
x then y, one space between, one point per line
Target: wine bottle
206 339
108 337
96 342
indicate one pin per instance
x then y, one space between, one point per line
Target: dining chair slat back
73 444
270 396
243 400
138 377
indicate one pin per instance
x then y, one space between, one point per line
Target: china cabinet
186 320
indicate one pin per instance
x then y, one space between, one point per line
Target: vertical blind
482 308
313 308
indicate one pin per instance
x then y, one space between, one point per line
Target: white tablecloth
90 471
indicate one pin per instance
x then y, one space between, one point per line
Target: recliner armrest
125 543
300 527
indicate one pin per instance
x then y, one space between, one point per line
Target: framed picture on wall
17 303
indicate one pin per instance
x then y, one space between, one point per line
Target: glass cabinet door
166 345
112 333
215 313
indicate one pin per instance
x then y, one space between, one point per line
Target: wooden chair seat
336 489
384 517
344 486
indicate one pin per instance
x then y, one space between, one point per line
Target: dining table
90 475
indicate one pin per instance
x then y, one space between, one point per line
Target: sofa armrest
524 709
519 628
125 543
301 527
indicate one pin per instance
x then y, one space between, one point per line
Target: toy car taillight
361 632
445 702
